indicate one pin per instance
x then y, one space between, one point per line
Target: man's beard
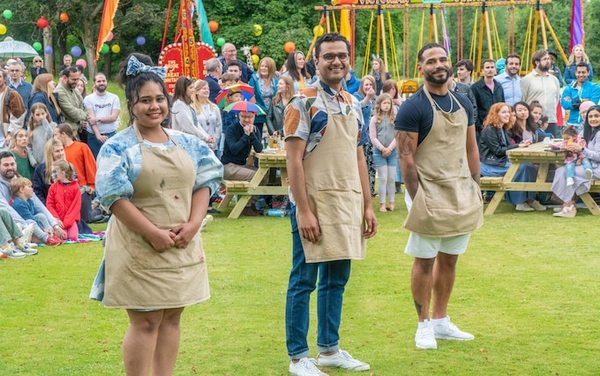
430 78
8 175
544 68
101 89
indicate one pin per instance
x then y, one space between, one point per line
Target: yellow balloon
257 30
318 30
255 59
3 29
115 48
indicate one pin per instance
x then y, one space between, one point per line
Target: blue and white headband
135 67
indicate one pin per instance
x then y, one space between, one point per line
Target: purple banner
577 32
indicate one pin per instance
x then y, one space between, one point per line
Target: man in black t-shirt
439 160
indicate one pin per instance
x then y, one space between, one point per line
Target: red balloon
213 26
42 23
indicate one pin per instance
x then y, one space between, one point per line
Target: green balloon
104 50
220 42
37 46
7 14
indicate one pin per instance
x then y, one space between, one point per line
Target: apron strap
141 139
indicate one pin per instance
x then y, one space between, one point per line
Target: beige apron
448 201
138 277
335 193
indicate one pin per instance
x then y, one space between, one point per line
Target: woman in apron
157 183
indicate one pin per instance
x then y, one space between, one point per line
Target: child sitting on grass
22 191
64 198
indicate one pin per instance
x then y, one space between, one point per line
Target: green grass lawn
527 289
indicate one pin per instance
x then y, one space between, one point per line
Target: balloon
255 59
289 47
257 30
110 36
3 29
37 46
81 62
115 48
213 26
220 42
42 23
7 14
76 51
48 50
140 40
105 48
255 50
318 30
64 17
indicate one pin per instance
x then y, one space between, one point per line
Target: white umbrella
14 48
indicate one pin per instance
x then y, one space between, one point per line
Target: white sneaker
570 182
424 338
208 219
27 231
524 207
342 359
537 206
11 252
445 329
305 367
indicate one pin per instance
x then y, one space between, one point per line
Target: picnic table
539 154
269 160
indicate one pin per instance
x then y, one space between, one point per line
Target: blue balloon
76 51
140 40
48 50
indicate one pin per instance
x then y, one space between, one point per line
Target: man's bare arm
406 143
308 225
473 154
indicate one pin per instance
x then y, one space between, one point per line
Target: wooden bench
496 184
237 188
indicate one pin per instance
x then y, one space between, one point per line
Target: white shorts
427 247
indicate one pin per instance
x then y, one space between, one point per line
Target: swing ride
484 32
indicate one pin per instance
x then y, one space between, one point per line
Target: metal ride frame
538 21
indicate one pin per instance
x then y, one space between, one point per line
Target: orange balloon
64 17
255 50
213 26
289 47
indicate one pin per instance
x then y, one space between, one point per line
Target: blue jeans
570 167
94 144
333 276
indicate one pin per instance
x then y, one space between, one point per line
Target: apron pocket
453 194
334 207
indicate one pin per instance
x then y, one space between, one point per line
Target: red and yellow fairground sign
172 58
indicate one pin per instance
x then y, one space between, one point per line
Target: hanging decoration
76 51
115 48
3 29
37 46
48 50
105 49
64 17
257 30
7 14
220 41
42 23
140 40
214 26
289 47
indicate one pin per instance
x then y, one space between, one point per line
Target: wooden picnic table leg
542 173
239 207
590 203
493 204
259 176
226 201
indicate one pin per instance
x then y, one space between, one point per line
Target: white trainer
424 338
342 359
445 329
305 367
537 206
524 207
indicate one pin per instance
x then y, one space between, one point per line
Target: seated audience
581 179
494 143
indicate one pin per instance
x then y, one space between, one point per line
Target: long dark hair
530 125
133 85
181 86
292 69
589 132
